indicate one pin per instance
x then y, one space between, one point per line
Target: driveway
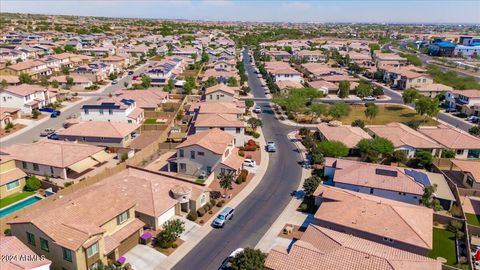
143 257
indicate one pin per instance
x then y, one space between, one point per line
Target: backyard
444 246
387 114
472 219
15 198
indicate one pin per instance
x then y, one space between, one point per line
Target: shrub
32 184
209 205
241 153
201 212
9 125
220 203
201 221
174 245
358 123
165 245
69 183
242 177
192 215
250 147
210 212
333 149
256 135
7 232
213 201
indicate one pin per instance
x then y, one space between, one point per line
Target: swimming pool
15 207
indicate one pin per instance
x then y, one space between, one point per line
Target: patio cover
102 156
83 165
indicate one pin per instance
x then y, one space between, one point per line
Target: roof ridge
394 207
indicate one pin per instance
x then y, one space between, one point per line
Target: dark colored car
130 72
55 114
53 136
46 109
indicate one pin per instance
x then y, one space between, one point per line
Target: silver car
225 215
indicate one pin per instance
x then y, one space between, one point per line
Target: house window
129 121
35 167
386 239
85 111
101 111
192 154
84 138
13 185
201 154
67 254
92 250
237 130
459 151
181 153
183 166
44 244
24 164
31 238
123 217
371 190
110 111
209 169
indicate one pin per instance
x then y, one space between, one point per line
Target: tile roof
234 160
11 175
221 87
99 129
468 93
451 138
365 175
323 84
218 120
348 135
324 249
399 221
60 154
11 246
144 98
402 135
288 84
24 89
471 166
219 108
214 140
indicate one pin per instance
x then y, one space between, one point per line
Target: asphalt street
254 216
33 134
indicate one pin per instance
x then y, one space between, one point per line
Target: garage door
128 243
166 216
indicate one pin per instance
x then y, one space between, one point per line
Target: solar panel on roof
419 177
386 172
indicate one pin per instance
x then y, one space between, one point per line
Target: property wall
393 195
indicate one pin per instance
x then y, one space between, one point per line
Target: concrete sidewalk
290 215
195 236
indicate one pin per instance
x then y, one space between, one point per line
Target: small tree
4 84
55 84
358 123
69 81
311 184
410 95
44 82
363 89
249 259
225 181
171 231
32 183
125 84
428 198
254 122
65 70
24 78
423 159
400 156
333 149
317 156
371 111
378 91
146 81
211 81
339 110
343 89
475 131
375 149
232 81
249 103
35 114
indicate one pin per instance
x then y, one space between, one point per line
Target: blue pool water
15 207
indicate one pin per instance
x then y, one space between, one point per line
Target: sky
366 11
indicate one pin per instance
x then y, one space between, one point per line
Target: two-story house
113 110
466 101
26 97
34 68
221 93
229 123
12 179
203 153
283 71
462 143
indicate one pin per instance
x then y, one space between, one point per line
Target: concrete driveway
143 257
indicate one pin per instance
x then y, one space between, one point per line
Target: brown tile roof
9 79
135 113
11 246
471 166
402 135
26 65
214 140
60 154
144 98
219 108
348 135
24 89
399 221
323 84
234 161
76 78
221 87
451 138
468 93
325 249
287 84
11 175
218 120
100 129
280 67
364 174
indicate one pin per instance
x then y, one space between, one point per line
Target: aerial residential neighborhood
242 135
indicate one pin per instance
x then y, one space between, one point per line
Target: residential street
255 215
28 135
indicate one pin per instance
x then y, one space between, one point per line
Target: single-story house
348 135
464 144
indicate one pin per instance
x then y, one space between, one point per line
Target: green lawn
200 180
473 219
15 198
387 114
444 246
150 121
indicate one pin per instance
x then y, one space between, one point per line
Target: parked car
249 163
226 214
450 110
114 82
46 109
271 147
53 136
47 132
55 114
130 72
259 75
257 109
226 263
306 163
473 119
369 98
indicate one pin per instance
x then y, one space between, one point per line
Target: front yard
387 114
473 219
15 198
444 246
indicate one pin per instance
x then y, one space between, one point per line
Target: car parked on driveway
55 114
46 109
249 163
114 82
257 109
53 136
47 132
226 214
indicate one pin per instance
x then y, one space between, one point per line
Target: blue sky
426 11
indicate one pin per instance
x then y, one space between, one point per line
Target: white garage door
166 216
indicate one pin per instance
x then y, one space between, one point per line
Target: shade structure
102 156
83 165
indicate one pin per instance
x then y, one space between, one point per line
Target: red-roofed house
25 97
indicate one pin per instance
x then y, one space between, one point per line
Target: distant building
441 48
